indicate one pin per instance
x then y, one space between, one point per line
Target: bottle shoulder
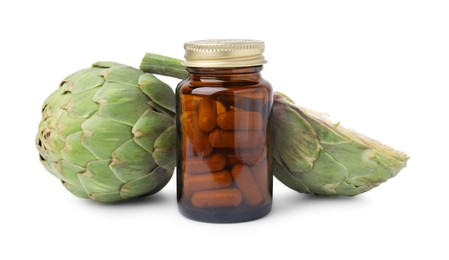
188 87
229 83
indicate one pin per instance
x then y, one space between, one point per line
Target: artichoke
313 155
108 133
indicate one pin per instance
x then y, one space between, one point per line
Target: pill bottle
223 164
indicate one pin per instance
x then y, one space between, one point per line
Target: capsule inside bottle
224 159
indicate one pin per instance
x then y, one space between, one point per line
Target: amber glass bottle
224 168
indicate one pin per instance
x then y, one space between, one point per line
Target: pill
203 164
263 157
247 185
238 120
234 108
217 198
207 114
189 102
261 176
198 138
235 139
245 156
207 181
220 107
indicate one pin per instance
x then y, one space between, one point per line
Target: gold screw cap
224 53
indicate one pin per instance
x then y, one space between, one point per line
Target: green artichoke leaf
55 99
389 154
281 98
72 77
81 105
121 103
75 190
149 127
158 91
51 167
158 108
51 143
165 148
130 161
48 165
98 178
102 136
378 176
107 64
299 155
358 159
147 184
285 176
75 152
108 197
56 120
88 80
346 188
69 171
325 134
67 125
390 162
326 175
122 74
52 112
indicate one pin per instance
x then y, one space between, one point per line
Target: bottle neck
233 74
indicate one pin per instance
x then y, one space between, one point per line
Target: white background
379 67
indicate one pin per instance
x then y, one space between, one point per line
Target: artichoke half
108 133
313 155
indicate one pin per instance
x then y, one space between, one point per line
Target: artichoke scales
105 133
313 155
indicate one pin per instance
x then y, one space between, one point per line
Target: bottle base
221 216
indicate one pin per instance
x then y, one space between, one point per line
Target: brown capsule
226 98
246 184
239 120
245 156
207 114
198 138
235 139
217 198
204 164
207 181
189 103
261 176
234 108
220 107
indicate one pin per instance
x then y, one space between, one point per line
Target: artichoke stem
163 65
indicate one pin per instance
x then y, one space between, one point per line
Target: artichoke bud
313 155
106 133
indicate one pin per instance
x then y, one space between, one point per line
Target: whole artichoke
313 155
108 133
